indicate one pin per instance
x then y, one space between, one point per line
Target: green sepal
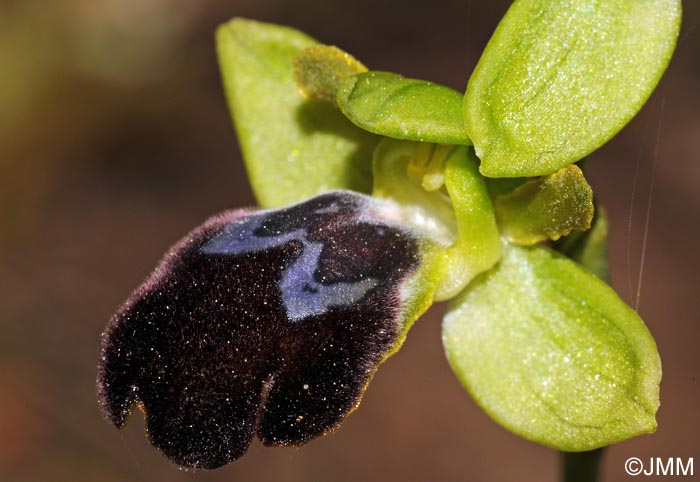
293 148
559 78
401 108
550 352
318 71
546 208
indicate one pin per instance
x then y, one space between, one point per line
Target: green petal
546 208
394 106
590 248
552 353
499 186
293 148
559 78
318 71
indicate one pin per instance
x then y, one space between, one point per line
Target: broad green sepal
394 106
318 71
293 148
546 208
559 78
552 353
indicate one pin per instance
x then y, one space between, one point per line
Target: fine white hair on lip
302 294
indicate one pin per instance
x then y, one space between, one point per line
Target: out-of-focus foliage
61 94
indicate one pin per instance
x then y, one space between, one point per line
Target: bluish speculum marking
302 294
213 346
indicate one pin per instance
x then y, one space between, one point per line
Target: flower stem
580 466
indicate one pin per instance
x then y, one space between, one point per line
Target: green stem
580 466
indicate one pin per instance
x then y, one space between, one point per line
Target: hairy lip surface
269 323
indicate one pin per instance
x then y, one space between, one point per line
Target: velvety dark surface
208 345
115 140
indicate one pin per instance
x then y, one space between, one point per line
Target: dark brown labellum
269 323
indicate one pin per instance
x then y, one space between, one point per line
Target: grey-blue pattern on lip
206 345
302 294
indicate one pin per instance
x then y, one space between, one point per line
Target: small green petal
498 186
293 148
590 248
546 208
553 354
561 77
394 106
318 71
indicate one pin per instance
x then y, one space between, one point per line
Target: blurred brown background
115 140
